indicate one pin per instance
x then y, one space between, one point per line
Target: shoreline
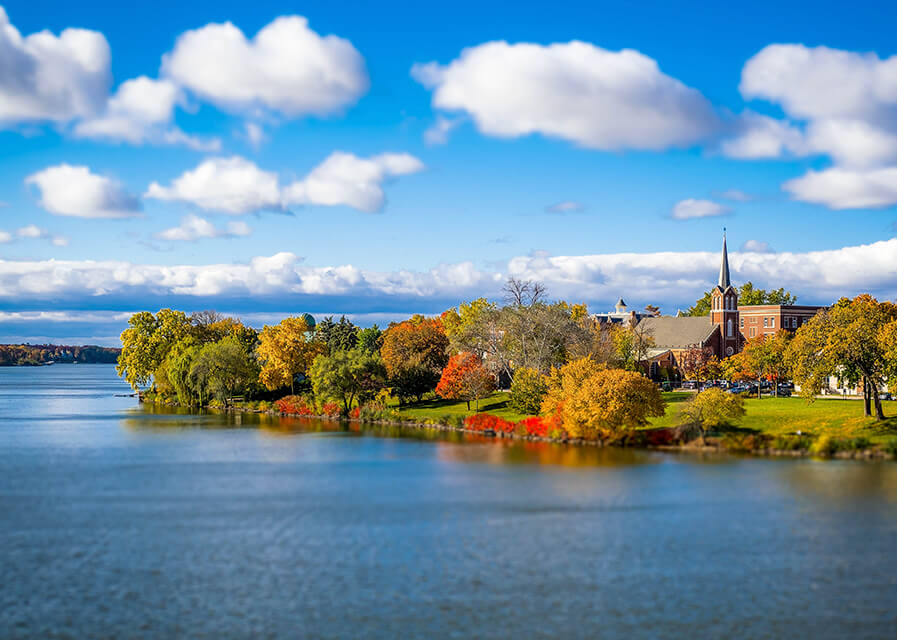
715 444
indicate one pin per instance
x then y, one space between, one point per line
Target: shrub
528 389
791 443
488 422
331 410
713 408
824 445
533 426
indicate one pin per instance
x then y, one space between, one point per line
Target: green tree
370 339
146 342
528 389
713 408
845 341
177 366
347 376
223 369
338 336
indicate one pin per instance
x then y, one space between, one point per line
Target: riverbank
852 437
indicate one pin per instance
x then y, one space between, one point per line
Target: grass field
775 416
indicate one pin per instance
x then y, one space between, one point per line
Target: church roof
670 332
724 268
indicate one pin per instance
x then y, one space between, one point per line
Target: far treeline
18 355
582 376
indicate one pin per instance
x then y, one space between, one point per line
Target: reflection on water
124 521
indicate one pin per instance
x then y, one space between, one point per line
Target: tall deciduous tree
846 341
414 353
346 376
285 351
146 342
699 364
224 368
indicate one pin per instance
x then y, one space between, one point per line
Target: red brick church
725 329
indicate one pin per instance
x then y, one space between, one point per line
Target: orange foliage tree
414 353
465 378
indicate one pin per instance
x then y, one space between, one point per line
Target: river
120 521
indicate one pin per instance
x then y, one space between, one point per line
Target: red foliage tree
465 378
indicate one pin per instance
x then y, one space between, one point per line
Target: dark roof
724 268
670 332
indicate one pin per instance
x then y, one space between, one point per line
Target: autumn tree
849 340
286 350
414 353
224 369
146 342
591 400
713 408
347 376
465 378
698 364
632 345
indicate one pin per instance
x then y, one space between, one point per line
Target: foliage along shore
571 378
670 439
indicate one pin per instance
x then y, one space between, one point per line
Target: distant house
620 315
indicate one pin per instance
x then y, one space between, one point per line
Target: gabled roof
671 332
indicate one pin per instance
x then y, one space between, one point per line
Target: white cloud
237 186
758 136
575 91
68 190
230 185
49 78
841 188
696 208
567 206
666 278
254 134
5 237
756 246
847 104
439 132
286 68
32 231
141 111
346 179
193 228
737 195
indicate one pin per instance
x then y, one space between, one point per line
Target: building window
742 323
765 322
753 332
772 323
729 328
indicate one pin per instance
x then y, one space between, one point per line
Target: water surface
118 521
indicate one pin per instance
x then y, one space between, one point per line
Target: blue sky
598 147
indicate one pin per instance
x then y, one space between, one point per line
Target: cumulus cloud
230 185
696 208
575 91
287 68
194 228
5 237
439 132
68 190
756 246
666 278
49 78
345 179
566 206
32 231
237 186
141 111
841 188
846 104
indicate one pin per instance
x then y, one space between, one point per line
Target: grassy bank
773 416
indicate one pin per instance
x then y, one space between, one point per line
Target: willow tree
848 341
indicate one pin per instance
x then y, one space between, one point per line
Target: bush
534 426
791 443
713 408
528 389
488 422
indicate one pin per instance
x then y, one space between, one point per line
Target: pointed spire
724 266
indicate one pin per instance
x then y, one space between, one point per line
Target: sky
381 159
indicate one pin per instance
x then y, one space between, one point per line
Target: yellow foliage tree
593 401
286 350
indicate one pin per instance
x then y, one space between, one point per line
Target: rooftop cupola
620 306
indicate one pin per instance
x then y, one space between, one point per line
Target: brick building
767 319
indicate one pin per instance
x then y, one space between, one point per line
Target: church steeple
724 267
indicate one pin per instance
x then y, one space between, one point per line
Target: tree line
38 354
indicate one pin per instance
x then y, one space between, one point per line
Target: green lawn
496 404
777 416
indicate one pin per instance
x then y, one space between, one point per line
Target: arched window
729 328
